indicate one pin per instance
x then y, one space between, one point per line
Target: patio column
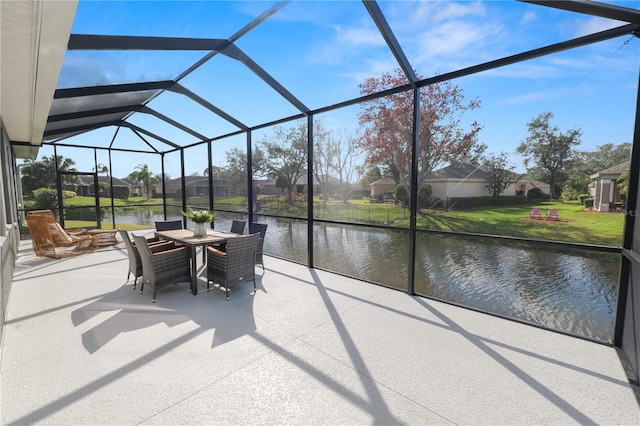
605 195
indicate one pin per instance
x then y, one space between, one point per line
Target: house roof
459 171
384 181
191 180
615 170
106 179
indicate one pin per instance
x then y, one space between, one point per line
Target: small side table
105 237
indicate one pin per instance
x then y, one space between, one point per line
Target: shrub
45 198
402 194
121 192
83 213
535 194
583 197
424 196
588 203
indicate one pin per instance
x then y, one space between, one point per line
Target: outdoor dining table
186 237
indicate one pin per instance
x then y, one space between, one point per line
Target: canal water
568 290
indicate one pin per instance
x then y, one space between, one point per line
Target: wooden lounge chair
235 265
49 213
553 215
51 240
536 214
106 237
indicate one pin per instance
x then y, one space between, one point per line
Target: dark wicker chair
237 227
236 265
162 268
259 228
135 264
167 225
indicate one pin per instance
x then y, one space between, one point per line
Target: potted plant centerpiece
199 217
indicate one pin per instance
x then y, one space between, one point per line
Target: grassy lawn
575 225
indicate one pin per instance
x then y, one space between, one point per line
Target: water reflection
568 290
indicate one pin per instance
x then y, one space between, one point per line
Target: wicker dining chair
237 226
259 228
163 268
235 265
135 264
167 225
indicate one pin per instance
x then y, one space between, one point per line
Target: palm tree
623 183
142 176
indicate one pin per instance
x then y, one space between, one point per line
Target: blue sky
321 51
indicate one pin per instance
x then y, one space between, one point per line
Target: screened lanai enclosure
393 142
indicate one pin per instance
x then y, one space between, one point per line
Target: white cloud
358 36
444 10
528 97
453 40
528 17
594 25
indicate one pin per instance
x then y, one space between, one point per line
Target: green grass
575 225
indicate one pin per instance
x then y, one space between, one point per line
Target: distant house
382 186
269 187
84 186
603 186
197 186
463 179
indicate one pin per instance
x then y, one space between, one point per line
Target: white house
604 188
461 180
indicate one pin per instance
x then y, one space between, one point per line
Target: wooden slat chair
51 240
106 237
235 265
163 268
553 215
75 231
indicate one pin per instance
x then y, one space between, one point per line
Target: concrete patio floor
82 347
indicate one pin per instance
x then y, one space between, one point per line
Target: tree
584 163
347 160
102 168
285 157
623 183
323 158
499 174
388 127
142 176
574 187
336 155
42 174
549 150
